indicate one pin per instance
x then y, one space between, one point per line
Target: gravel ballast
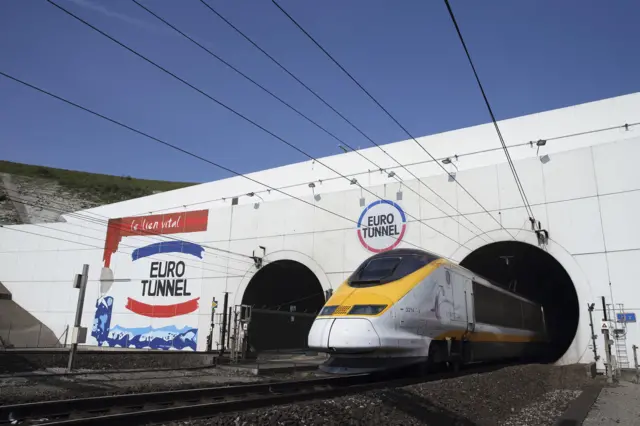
14 390
512 396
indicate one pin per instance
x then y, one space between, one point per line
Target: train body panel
408 306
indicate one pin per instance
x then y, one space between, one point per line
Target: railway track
165 406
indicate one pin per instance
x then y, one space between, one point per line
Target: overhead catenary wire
321 99
163 142
170 145
387 113
523 195
189 262
238 114
282 101
116 280
147 234
14 229
102 238
625 126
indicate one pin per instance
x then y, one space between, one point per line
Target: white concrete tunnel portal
585 192
537 275
286 295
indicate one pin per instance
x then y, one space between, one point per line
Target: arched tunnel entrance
285 297
535 274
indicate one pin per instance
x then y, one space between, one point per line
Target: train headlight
328 310
367 309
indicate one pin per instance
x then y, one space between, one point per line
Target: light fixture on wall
253 194
256 205
539 143
448 161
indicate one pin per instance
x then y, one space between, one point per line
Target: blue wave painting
168 247
163 338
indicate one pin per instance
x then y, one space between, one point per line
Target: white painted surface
585 191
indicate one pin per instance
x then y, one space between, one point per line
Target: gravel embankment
520 395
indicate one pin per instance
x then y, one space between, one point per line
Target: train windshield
384 269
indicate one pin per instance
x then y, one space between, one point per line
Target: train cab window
375 270
381 270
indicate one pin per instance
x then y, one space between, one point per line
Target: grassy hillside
100 188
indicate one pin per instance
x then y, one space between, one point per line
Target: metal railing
19 336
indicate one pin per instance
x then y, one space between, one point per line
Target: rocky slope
37 194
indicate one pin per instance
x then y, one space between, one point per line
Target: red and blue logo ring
404 226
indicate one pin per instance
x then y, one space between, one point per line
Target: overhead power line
303 115
14 229
238 114
493 118
197 264
346 120
386 112
158 140
123 279
67 210
99 222
625 126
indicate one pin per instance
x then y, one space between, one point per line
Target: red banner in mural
159 224
162 311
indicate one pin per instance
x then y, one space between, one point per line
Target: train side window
488 308
496 308
532 317
526 317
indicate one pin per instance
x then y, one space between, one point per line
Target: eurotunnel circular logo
381 226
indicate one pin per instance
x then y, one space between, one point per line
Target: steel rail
166 406
139 408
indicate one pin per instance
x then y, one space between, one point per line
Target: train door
471 314
458 287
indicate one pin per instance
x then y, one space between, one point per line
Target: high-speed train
406 306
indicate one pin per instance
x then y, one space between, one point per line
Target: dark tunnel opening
285 297
535 274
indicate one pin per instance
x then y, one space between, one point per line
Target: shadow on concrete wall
21 329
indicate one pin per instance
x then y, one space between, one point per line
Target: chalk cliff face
37 200
37 194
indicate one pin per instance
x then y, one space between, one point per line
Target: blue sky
531 56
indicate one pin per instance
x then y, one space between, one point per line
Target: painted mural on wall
149 297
